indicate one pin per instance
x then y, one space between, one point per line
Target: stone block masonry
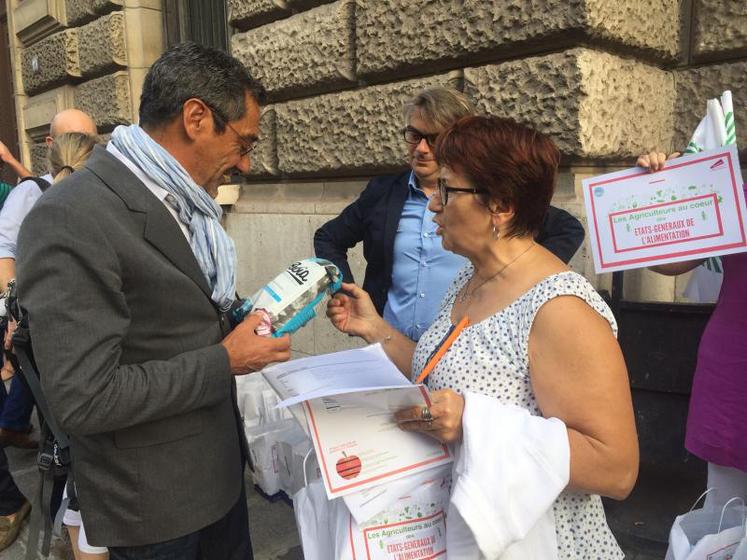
51 62
400 36
583 99
108 100
102 45
607 80
720 29
309 52
696 85
250 13
349 131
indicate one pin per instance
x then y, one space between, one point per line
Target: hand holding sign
692 208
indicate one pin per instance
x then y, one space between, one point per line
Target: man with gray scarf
135 349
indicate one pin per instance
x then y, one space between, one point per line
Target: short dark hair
515 164
190 70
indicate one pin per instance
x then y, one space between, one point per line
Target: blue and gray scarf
213 249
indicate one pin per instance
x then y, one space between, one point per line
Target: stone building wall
89 54
607 79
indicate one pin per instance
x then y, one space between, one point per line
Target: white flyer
359 445
370 502
361 369
692 209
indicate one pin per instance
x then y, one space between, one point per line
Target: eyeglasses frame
247 147
444 190
430 139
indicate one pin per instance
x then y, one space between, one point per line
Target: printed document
349 400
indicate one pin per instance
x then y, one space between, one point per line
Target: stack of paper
348 402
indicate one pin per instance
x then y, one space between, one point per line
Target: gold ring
425 414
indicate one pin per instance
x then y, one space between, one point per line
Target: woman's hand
7 370
654 161
8 339
446 411
354 313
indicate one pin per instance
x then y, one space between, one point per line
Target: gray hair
189 70
439 106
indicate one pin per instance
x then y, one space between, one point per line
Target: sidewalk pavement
272 524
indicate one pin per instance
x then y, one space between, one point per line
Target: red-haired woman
540 337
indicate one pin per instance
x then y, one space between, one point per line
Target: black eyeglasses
414 136
444 190
248 146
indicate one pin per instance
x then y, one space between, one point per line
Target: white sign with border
694 208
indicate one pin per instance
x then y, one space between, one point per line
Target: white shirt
159 192
19 202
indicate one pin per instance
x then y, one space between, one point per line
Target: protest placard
692 209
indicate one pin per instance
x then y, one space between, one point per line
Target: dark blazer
126 338
373 218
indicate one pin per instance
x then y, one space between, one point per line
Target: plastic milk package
290 298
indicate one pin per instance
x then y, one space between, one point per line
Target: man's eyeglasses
414 136
444 190
247 145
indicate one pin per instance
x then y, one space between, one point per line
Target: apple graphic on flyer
348 466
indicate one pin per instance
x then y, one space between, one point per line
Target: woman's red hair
515 164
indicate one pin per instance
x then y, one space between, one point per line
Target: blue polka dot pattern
491 358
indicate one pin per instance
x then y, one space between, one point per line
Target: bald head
71 120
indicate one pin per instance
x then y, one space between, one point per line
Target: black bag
43 184
53 459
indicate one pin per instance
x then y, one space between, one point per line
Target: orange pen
441 350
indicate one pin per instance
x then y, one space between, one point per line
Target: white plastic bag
313 516
708 534
741 552
266 449
292 450
705 283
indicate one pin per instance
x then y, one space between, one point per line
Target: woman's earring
495 233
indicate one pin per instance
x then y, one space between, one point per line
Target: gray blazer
126 339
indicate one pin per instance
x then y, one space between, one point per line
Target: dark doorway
8 126
202 21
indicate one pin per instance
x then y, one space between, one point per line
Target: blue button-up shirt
422 270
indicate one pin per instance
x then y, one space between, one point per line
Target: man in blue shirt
408 271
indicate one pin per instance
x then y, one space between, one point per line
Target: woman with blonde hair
68 153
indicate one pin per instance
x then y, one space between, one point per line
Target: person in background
407 270
717 416
17 406
68 153
14 507
138 363
539 336
6 158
